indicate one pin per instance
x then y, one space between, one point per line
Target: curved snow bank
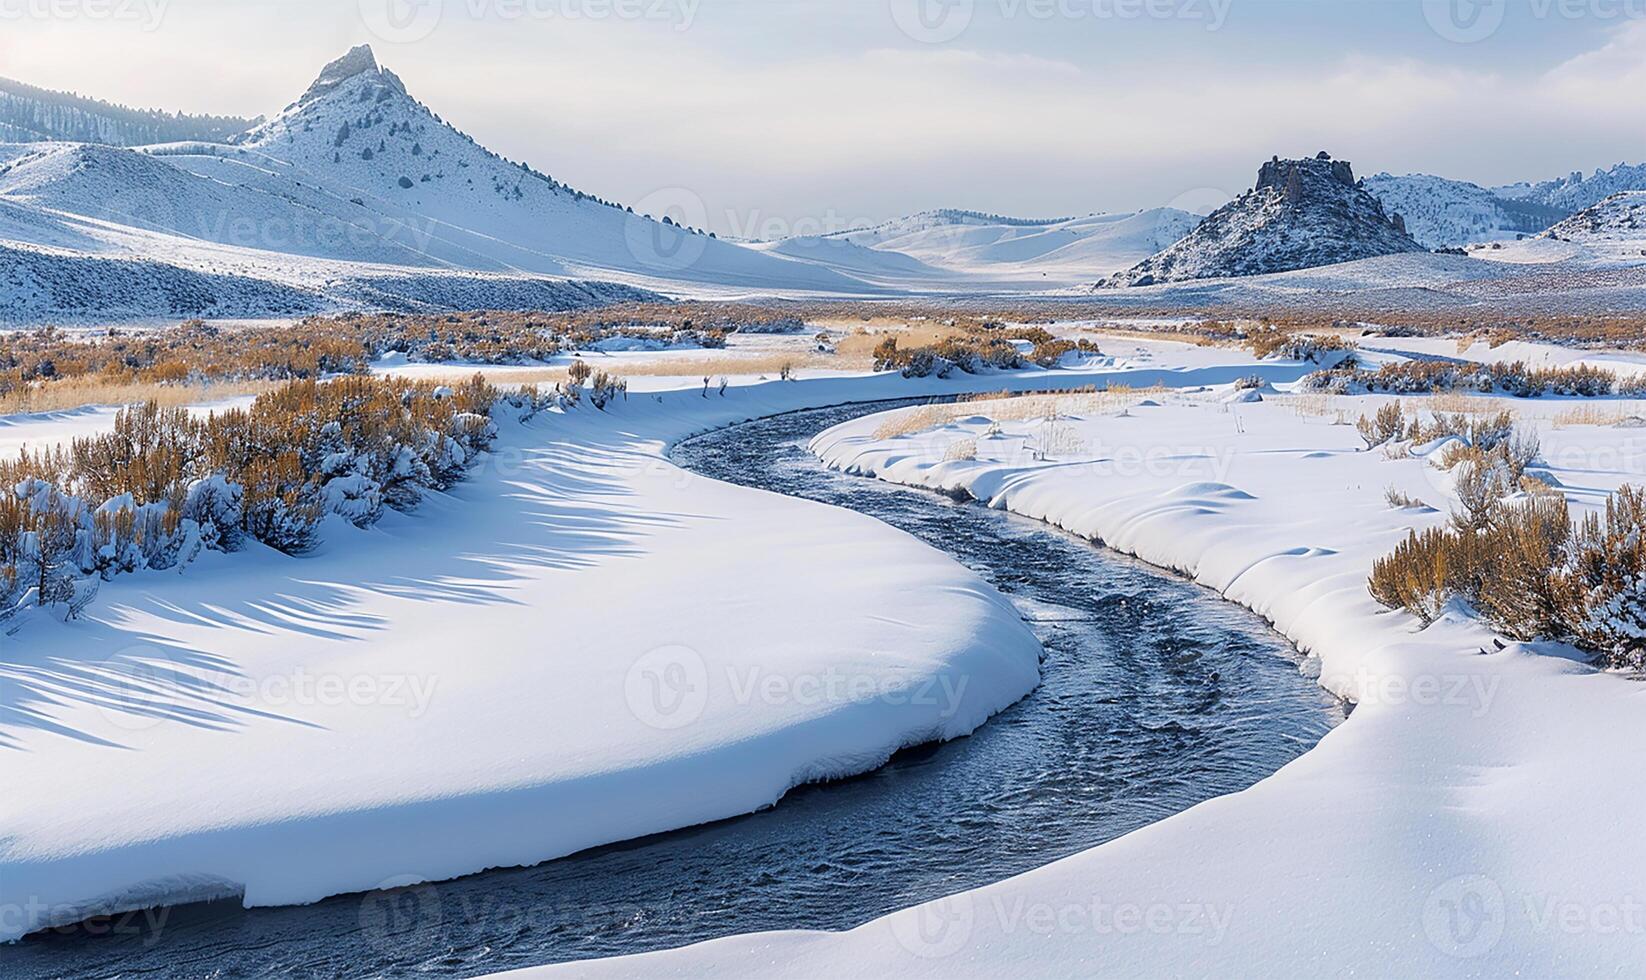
1466 820
582 644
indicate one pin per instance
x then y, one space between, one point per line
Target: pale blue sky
784 113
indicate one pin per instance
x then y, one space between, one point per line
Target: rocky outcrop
1301 214
359 61
1621 217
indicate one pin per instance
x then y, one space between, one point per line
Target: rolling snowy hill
1443 213
1048 252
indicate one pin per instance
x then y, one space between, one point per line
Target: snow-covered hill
357 132
1612 233
1576 192
1051 252
365 180
1442 213
869 264
1301 214
1621 217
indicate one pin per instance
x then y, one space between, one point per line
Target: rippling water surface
1157 695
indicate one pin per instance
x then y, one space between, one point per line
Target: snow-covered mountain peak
358 61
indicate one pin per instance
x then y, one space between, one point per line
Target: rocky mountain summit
1301 214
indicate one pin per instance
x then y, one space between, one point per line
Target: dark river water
1157 695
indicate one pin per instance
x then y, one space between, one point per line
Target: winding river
1157 695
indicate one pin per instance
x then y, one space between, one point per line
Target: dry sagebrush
166 483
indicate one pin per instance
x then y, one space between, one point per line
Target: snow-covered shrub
1269 341
355 497
1534 574
1603 583
605 388
1516 379
972 353
280 507
1386 426
776 324
46 541
216 507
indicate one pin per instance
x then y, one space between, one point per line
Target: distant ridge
30 114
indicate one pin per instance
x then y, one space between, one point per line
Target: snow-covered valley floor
585 630
1471 818
578 630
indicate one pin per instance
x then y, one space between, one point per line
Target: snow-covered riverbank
1470 818
582 644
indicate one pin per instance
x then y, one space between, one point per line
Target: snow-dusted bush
1388 425
1534 574
1603 583
216 507
164 484
1270 341
973 354
1516 380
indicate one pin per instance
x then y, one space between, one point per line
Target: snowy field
1466 819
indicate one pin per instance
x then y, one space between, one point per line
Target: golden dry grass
70 393
1006 407
1453 403
720 365
1587 415
860 341
1314 404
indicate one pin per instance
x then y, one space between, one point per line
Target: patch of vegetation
166 483
975 349
1516 380
1535 574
